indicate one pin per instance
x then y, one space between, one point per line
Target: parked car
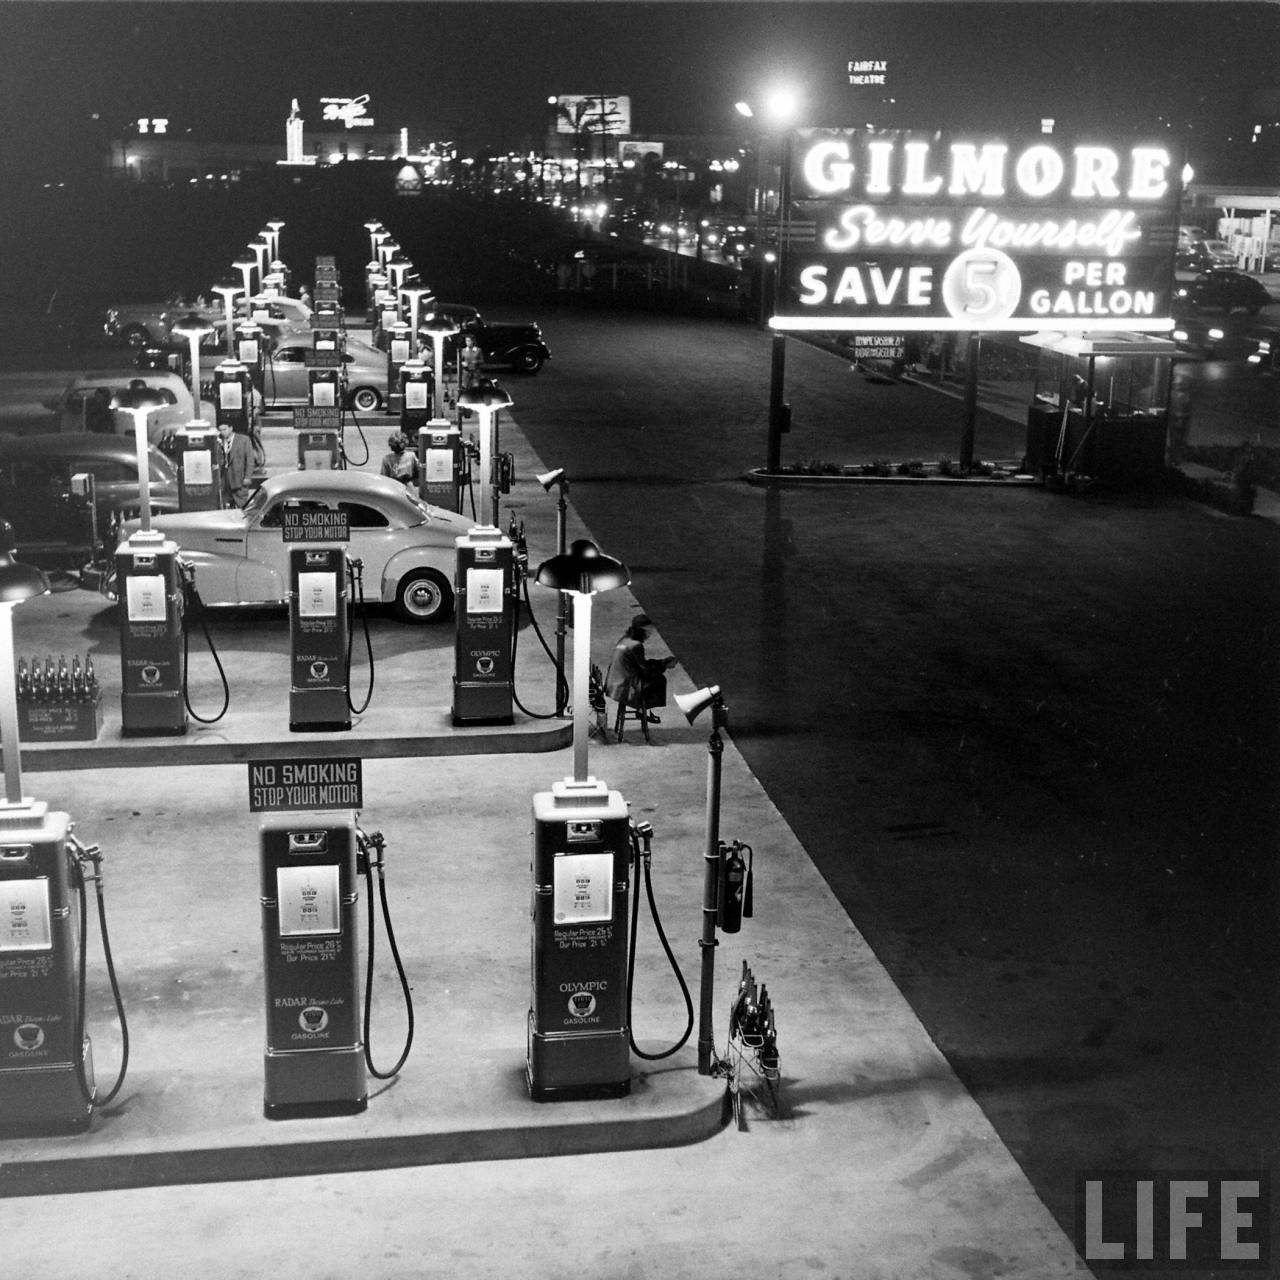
143 323
69 410
408 547
1221 287
53 523
285 379
518 346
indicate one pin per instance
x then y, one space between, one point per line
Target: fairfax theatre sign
898 230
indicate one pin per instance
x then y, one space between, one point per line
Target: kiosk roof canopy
1101 344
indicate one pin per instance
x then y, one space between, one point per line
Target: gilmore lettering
887 167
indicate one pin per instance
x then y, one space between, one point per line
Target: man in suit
237 465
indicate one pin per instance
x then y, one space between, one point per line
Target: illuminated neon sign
894 230
351 111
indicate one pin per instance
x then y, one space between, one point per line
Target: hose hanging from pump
643 832
78 854
371 847
355 576
193 604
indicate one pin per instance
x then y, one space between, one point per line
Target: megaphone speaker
691 704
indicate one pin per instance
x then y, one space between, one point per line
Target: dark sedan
56 524
1221 288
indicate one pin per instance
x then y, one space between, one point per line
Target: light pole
779 111
438 328
193 328
561 482
273 228
581 572
415 293
260 249
373 226
138 401
18 582
227 291
487 400
245 266
398 269
691 704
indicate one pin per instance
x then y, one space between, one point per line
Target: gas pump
314 1060
416 393
318 450
250 350
318 691
46 1057
329 340
198 459
233 396
578 1039
441 464
487 603
399 349
323 384
149 591
317 1047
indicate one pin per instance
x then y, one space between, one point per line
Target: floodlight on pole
227 290
415 293
274 226
137 401
691 705
487 399
438 328
245 266
194 328
558 480
18 582
581 572
260 249
398 268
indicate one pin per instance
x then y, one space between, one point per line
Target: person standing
237 465
469 359
400 463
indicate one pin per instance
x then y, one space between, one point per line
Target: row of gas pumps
588 853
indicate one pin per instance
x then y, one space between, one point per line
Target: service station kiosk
1100 407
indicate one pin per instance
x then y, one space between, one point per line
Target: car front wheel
365 399
423 595
528 362
136 335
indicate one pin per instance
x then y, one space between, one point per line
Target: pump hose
192 596
395 952
86 1091
358 581
515 641
666 946
342 437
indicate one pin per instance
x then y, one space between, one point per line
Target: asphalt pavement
872 1161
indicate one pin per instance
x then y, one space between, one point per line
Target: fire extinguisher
733 886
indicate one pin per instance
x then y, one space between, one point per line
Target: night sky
481 70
